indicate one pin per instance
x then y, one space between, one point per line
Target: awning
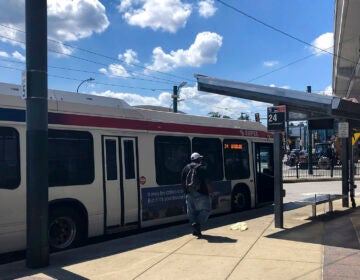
300 105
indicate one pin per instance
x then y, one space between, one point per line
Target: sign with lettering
276 117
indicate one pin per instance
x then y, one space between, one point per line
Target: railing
298 172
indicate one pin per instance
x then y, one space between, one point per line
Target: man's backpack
193 180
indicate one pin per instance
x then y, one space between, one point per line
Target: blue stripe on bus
13 115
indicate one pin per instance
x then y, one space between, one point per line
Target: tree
225 117
244 116
214 114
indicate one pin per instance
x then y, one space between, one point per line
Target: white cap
195 156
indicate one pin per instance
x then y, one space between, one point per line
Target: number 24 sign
276 118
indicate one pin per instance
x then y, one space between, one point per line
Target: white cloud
328 91
163 99
115 70
203 50
18 56
194 102
323 42
4 54
271 63
207 8
284 87
201 103
68 20
165 15
129 56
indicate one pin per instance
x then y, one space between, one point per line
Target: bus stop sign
276 118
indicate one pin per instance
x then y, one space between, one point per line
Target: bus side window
171 155
129 159
9 158
111 160
71 157
212 151
236 159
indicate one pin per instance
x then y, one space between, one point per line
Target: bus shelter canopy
299 105
346 61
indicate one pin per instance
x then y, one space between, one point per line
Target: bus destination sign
276 118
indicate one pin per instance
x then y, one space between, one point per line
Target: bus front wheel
240 199
65 229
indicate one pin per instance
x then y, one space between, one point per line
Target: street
297 191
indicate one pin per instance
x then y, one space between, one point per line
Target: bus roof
93 105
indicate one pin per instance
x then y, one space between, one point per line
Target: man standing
198 192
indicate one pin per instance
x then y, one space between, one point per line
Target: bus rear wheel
65 229
240 199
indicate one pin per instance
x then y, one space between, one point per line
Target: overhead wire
89 72
99 83
99 54
283 67
108 84
88 60
281 31
169 81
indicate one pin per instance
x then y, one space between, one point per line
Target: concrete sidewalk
326 247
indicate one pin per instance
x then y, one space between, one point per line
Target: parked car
324 157
304 158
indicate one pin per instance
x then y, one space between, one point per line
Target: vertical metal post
345 171
278 192
310 154
287 137
175 98
351 168
37 253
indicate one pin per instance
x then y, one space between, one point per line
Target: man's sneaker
196 230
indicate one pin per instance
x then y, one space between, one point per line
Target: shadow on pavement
218 239
337 229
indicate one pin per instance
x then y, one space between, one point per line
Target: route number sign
276 118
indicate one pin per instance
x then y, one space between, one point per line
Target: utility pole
175 98
175 95
310 159
37 251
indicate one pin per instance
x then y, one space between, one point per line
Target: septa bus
114 167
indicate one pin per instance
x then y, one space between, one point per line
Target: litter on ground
239 226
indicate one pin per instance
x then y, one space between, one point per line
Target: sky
137 50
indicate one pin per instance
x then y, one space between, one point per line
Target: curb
303 180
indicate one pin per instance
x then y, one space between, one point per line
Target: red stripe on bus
105 122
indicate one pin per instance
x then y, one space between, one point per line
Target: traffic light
257 117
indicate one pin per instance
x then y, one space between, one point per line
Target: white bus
114 167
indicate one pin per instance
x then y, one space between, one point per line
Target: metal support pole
175 98
37 253
351 169
310 154
278 192
345 171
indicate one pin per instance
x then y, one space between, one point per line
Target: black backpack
193 180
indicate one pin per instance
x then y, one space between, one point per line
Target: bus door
264 172
120 178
